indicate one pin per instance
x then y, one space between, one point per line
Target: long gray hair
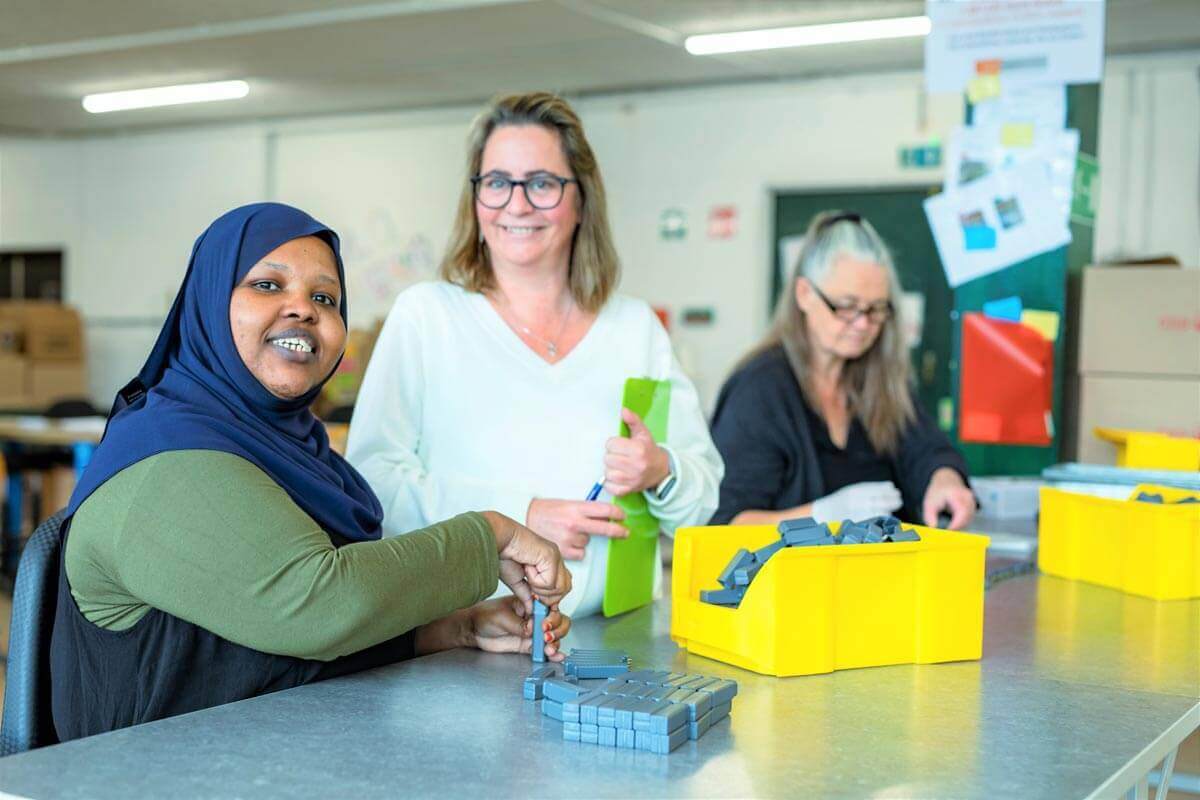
877 383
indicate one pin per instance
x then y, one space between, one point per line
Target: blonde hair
593 268
877 383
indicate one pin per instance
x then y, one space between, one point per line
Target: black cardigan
762 432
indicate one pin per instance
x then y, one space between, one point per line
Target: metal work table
1080 692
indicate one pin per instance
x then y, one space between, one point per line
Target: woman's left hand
636 463
495 626
946 491
500 626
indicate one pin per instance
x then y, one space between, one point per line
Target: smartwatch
664 489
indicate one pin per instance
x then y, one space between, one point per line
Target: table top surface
1075 683
33 429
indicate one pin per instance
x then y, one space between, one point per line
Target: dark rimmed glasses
876 313
543 190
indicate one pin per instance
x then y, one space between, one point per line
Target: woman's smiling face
286 319
519 235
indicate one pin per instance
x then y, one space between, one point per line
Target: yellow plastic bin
1146 549
819 609
1148 450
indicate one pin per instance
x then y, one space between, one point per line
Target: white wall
128 208
1150 159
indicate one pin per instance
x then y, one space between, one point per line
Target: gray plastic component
699 727
539 643
698 703
722 597
799 523
552 709
560 691
663 743
741 559
722 691
571 708
763 554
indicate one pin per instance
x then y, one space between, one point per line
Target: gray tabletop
1078 687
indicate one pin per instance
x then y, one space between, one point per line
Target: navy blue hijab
195 393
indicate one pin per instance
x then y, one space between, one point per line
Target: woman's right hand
529 565
569 523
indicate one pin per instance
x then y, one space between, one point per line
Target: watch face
665 488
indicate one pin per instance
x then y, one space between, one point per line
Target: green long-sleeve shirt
210 538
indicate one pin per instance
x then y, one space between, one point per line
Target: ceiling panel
312 60
24 23
690 17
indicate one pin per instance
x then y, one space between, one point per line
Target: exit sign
921 156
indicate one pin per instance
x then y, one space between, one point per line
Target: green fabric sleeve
210 538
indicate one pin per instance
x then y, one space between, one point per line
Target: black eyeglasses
544 190
875 313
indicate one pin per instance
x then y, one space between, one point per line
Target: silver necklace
551 345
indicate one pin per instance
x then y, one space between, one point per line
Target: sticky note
1008 308
983 87
1044 322
1017 134
988 67
980 237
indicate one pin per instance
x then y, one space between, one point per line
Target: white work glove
858 501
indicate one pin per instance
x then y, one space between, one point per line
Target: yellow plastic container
819 609
1147 450
1146 549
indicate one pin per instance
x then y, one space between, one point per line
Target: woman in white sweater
499 386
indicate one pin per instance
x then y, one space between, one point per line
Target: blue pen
595 492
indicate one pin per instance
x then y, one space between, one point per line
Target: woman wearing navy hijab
217 549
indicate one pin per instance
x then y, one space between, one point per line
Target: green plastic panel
629 582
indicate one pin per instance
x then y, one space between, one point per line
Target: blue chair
27 714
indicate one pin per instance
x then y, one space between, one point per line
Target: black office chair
27 719
71 407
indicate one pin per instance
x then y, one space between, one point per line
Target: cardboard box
1162 404
50 381
1140 321
12 335
14 379
50 331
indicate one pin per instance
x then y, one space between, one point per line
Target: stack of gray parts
652 710
803 532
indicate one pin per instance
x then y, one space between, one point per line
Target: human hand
529 564
569 523
502 626
636 463
858 501
947 490
495 626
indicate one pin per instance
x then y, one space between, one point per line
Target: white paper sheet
1044 106
975 152
1047 42
1015 203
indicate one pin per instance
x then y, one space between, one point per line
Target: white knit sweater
457 414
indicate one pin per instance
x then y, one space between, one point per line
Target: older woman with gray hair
819 419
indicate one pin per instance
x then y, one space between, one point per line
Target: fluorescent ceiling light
807 35
165 96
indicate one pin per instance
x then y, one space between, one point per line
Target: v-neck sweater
457 413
